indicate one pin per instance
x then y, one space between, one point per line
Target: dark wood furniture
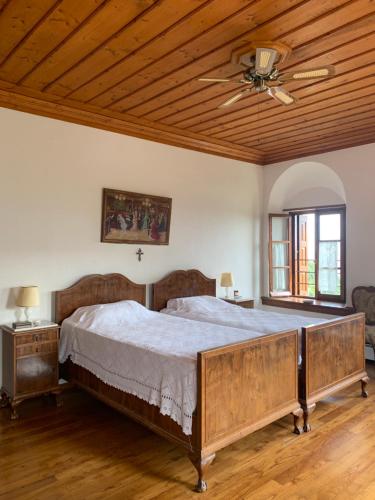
181 283
235 395
333 357
242 302
97 289
30 365
332 353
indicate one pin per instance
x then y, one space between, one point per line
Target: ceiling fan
261 74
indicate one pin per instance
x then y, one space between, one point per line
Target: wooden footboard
241 388
333 357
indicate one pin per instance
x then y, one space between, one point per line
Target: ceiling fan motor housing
259 81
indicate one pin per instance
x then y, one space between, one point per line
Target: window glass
329 227
329 267
280 227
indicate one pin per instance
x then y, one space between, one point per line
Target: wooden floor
87 451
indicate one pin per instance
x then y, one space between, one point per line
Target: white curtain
280 258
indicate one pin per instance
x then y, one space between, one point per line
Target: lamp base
27 314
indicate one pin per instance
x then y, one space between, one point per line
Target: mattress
150 355
214 310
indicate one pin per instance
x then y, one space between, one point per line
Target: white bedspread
148 354
217 311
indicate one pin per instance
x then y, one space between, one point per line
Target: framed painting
135 218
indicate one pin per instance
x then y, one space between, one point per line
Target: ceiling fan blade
234 98
281 95
308 74
214 80
264 60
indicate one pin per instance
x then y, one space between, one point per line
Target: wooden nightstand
242 302
30 364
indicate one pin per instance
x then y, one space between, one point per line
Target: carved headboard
181 284
97 289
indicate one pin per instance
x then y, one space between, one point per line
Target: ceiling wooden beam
132 67
88 115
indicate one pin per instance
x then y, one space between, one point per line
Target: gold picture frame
135 218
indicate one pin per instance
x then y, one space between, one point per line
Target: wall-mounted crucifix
139 253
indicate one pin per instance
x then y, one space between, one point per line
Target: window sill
317 306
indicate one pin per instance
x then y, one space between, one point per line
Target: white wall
51 179
354 171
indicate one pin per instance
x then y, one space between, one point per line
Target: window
307 253
280 254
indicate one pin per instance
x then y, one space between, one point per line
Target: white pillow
200 304
110 315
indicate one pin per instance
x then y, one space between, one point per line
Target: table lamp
227 282
28 298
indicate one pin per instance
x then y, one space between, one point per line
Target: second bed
331 351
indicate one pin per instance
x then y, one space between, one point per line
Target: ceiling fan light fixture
281 95
265 59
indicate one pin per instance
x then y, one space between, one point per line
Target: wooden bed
240 387
333 353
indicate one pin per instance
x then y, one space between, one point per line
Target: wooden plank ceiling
131 66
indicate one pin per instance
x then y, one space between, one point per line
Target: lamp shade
226 279
28 297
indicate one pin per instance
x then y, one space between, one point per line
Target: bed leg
4 400
201 464
58 399
364 382
297 416
307 411
13 409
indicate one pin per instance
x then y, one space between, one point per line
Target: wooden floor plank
87 451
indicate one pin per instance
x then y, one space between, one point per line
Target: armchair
363 300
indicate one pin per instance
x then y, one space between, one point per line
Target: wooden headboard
181 284
97 289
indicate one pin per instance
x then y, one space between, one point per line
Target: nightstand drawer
39 336
36 373
35 348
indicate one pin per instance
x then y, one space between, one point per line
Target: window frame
288 292
292 214
342 212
